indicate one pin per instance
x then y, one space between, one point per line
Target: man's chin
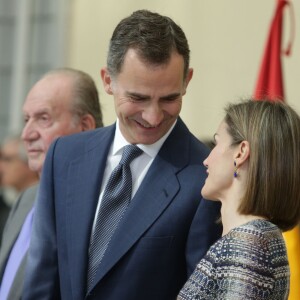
35 166
147 139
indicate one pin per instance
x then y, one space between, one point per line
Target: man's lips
34 151
147 126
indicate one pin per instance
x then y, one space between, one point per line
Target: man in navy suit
167 226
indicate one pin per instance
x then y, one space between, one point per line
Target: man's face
47 116
147 98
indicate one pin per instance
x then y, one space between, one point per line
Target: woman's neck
231 218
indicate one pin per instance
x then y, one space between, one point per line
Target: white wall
227 39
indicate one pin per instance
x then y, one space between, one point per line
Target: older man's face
47 115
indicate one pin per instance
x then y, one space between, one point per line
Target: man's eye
44 120
137 99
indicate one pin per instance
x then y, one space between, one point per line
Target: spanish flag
270 85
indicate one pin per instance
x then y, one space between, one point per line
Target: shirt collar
152 150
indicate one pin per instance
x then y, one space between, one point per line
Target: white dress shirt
138 166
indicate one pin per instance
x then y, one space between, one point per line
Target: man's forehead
46 103
48 89
38 108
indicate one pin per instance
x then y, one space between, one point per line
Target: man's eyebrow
42 112
36 113
170 96
142 96
137 95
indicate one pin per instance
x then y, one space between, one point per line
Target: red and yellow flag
270 85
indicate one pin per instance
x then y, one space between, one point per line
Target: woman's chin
207 195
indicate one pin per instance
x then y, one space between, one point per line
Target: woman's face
220 166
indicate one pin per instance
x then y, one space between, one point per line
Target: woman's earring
236 173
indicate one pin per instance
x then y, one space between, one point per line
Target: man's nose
153 115
29 132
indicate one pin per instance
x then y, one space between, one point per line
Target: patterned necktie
116 198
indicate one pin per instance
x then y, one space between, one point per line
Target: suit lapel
82 199
156 192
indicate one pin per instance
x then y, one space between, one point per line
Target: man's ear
188 79
106 80
87 122
242 153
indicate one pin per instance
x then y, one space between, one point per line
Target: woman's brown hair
273 180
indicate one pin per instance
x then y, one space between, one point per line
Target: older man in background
62 102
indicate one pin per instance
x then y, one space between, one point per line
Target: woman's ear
242 154
106 80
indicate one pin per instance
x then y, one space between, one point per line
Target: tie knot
130 152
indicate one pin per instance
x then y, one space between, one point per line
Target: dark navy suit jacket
156 245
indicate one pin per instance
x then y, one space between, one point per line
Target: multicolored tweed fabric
250 262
